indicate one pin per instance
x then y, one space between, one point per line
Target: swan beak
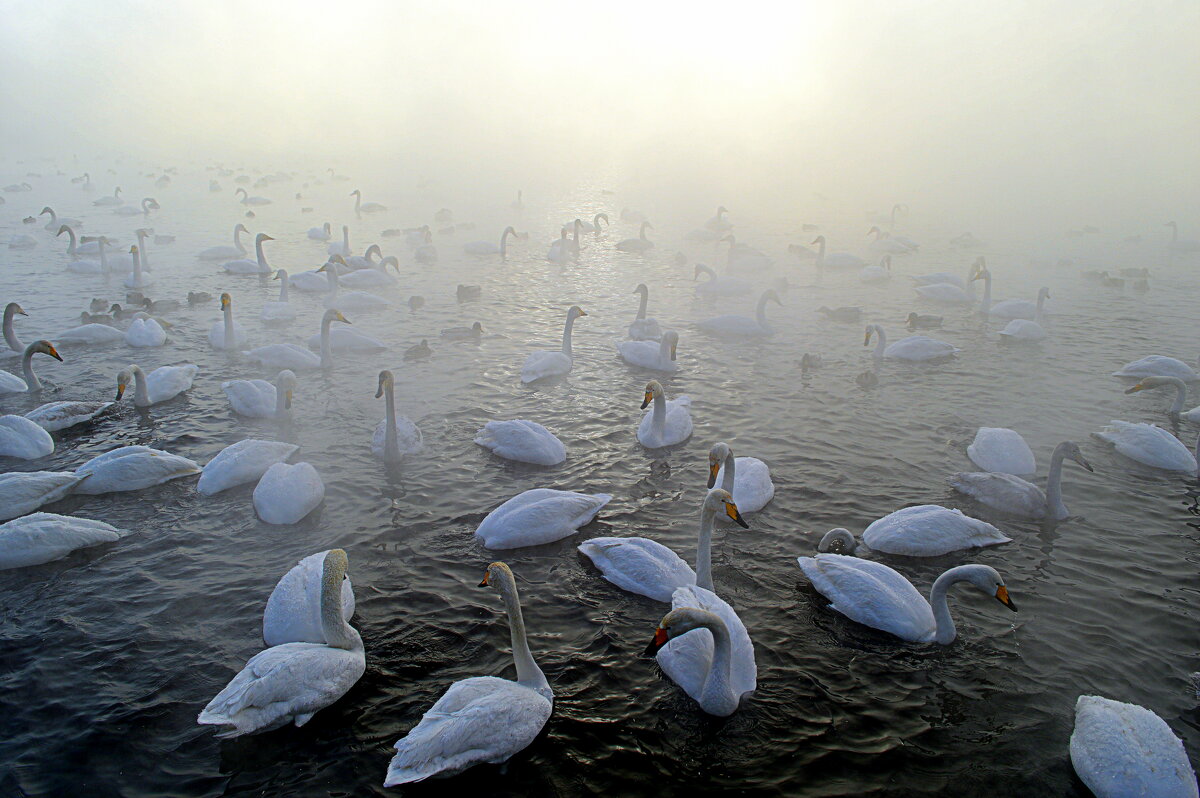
731 510
19 309
54 354
867 338
714 467
340 317
1084 463
287 399
673 351
647 400
276 277
484 583
1135 388
379 392
660 640
1002 596
120 391
583 313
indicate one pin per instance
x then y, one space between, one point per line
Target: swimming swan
280 309
242 462
226 334
1180 387
1120 750
131 468
1016 497
929 530
1002 450
732 324
644 329
293 611
540 515
261 399
1149 445
21 438
165 382
542 364
45 537
54 416
668 422
288 492
257 266
655 355
747 479
522 440
914 348
395 436
25 491
225 253
11 383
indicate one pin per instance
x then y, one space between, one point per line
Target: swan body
742 325
944 293
914 348
1157 366
747 479
131 468
293 611
261 399
1016 497
522 440
165 382
145 332
1009 308
360 262
249 200
487 247
644 329
319 233
113 199
877 273
257 266
22 438
284 356
148 204
55 416
836 260
310 282
361 207
287 493
655 355
1149 445
1120 750
289 683
226 334
25 491
542 364
343 340
719 223
889 244
395 436
90 334
540 515
929 530
936 278
374 276
238 249
639 244
483 718
1023 330
56 222
718 286
45 537
877 596
1002 450
242 462
351 300
668 423
22 241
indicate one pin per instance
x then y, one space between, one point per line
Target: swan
747 479
914 348
363 261
55 416
1120 750
877 596
650 569
929 530
594 225
1176 411
719 286
426 253
85 266
284 356
280 309
522 440
1149 445
744 256
257 266
131 468
145 331
1023 330
639 244
45 537
483 718
668 422
165 382
113 199
395 436
286 493
716 669
951 290
238 249
310 282
1002 450
293 611
226 334
136 278
261 399
22 241
289 683
488 248
249 200
656 355
90 334
340 340
319 233
24 492
351 300
884 243
1010 308
1157 366
341 247
374 276
732 324
1016 497
719 223
11 383
644 329
1179 245
877 274
242 462
148 204
23 439
10 335
18 187
55 222
836 260
361 207
545 363
539 515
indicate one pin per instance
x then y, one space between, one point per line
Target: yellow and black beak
647 400
673 351
54 354
19 309
1002 597
342 318
120 391
731 510
484 583
867 338
1135 388
714 468
660 640
287 399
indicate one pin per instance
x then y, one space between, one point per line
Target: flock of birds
314 655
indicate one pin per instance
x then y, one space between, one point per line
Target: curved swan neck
700 267
566 344
728 476
945 631
258 254
718 681
504 241
528 672
664 350
237 239
645 300
141 391
880 342
283 286
10 336
704 550
338 633
32 383
71 243
760 314
1055 508
391 436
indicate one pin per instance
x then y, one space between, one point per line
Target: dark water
107 656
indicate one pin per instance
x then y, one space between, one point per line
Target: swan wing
23 492
522 440
872 594
1148 444
253 398
44 537
90 334
639 565
54 416
752 485
1123 749
20 437
166 382
1157 366
946 293
287 493
293 612
544 363
1003 450
929 530
408 436
1004 492
284 356
540 515
919 347
131 468
242 462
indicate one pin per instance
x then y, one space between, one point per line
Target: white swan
284 356
483 718
1003 450
293 611
668 422
341 247
1009 308
289 683
717 286
947 289
352 300
1157 366
363 261
644 329
488 248
914 348
238 249
884 243
877 596
280 309
226 334
148 204
1120 750
165 382
136 278
747 479
10 335
101 266
55 222
341 340
648 568
373 276
639 244
319 233
257 266
113 199
1016 497
1023 330
1149 445
261 399
929 530
655 355
1181 245
90 334
242 462
361 207
286 493
743 256
22 241
522 440
145 331
11 383
24 492
540 515
880 273
131 468
54 416
1180 387
719 223
395 436
732 324
544 363
836 260
23 439
45 537
311 281
249 200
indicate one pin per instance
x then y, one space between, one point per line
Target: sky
1007 107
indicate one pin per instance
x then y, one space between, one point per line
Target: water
108 655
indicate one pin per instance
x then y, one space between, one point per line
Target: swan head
1071 451
600 216
912 319
13 307
477 328
986 579
226 301
722 209
46 210
671 338
355 193
719 501
386 380
498 574
871 328
981 272
43 348
876 231
373 248
642 289
654 390
333 571
133 250
1044 292
837 541
261 237
716 458
575 312
818 240
286 382
280 274
772 295
679 622
1153 382
241 228
332 315
124 378
392 261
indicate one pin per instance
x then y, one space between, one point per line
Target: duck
289 683
23 439
1002 450
747 479
732 324
914 348
160 385
159 305
483 718
238 250
198 297
466 293
835 260
648 568
488 248
129 468
341 340
281 309
418 351
55 416
537 516
119 313
293 611
361 207
261 399
657 355
1157 366
916 321
249 200
395 436
288 492
46 537
241 463
257 266
642 328
843 314
929 530
1176 411
668 423
1013 496
24 492
717 286
472 333
226 334
875 595
522 440
544 363
145 331
639 244
1149 445
11 383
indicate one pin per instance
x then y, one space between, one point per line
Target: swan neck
881 342
338 633
1180 395
1055 509
326 350
504 242
71 246
566 342
258 254
237 239
704 550
281 408
664 350
821 255
391 436
944 624
718 683
987 292
31 380
658 416
283 288
728 477
228 326
645 300
760 314
10 336
141 391
528 672
712 275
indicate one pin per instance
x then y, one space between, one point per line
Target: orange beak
1002 596
660 640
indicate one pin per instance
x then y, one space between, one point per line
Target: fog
1000 116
